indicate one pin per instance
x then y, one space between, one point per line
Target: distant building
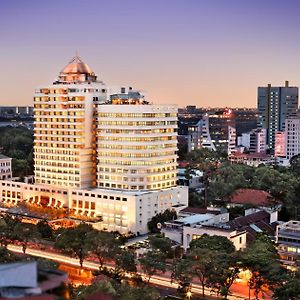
258 141
275 104
252 159
214 131
194 178
288 240
5 167
292 136
279 149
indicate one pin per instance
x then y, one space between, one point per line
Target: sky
186 52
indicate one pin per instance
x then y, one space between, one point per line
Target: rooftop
252 197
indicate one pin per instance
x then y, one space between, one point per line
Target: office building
275 104
102 152
214 131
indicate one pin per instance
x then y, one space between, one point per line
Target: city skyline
199 53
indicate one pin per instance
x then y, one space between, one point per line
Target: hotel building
101 152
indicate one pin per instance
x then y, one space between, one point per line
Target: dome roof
77 66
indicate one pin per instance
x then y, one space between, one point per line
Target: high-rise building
275 104
257 141
292 136
214 131
103 152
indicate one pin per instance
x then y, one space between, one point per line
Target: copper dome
77 66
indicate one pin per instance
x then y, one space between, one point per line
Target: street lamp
189 295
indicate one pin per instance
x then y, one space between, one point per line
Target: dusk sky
201 52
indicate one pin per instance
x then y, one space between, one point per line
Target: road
239 291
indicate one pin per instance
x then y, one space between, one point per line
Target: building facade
288 241
102 152
5 167
280 149
292 137
215 131
275 104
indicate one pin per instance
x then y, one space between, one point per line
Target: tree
201 261
167 215
225 270
162 244
125 262
44 229
7 256
104 245
213 243
24 233
181 273
74 241
261 259
289 289
152 263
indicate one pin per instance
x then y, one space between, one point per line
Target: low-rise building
288 240
252 159
237 237
193 178
23 280
5 167
252 197
190 217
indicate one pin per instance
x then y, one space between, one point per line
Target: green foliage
162 244
44 229
167 215
289 289
17 143
125 262
153 262
261 259
24 233
119 291
195 199
7 256
104 245
74 241
213 243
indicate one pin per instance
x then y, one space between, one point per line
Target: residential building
288 241
275 104
258 141
102 152
194 222
252 159
5 167
292 136
279 149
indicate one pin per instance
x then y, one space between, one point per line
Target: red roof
252 197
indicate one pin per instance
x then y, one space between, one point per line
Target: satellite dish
158 225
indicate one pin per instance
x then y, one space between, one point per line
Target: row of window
137 139
135 155
136 187
137 115
136 163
